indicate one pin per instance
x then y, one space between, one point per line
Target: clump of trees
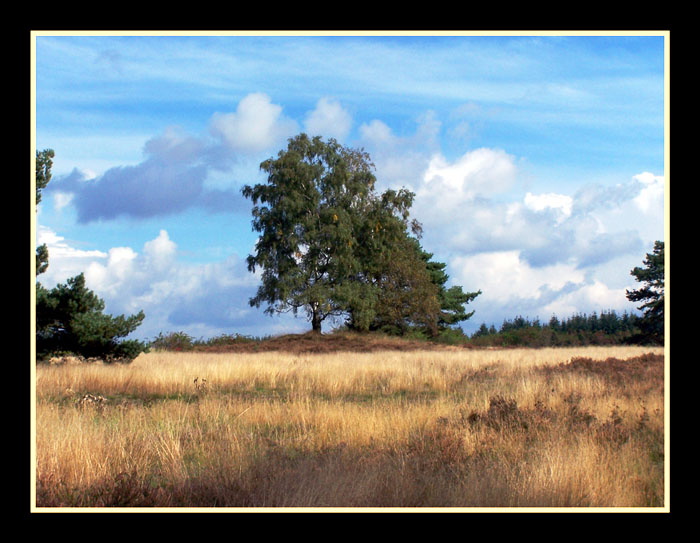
606 328
69 317
332 247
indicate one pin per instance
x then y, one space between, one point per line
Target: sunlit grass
387 429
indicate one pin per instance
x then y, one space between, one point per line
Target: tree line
606 328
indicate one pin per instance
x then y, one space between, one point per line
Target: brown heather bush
524 428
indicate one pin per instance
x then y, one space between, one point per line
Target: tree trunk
316 321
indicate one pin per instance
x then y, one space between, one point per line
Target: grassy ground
443 428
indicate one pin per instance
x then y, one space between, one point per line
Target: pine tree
70 319
652 294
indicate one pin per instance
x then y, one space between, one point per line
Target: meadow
453 429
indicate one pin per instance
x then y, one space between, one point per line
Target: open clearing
386 428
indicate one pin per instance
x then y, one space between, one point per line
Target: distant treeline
606 328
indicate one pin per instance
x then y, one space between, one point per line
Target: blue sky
537 161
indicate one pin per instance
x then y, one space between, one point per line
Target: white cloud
59 248
550 200
328 119
596 296
511 287
504 277
160 252
62 200
108 279
447 190
64 260
173 295
377 133
651 196
256 125
479 172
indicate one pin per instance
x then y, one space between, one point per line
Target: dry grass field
444 428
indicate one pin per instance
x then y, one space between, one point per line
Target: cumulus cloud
511 286
329 119
535 253
201 299
65 260
400 159
447 187
153 188
504 277
377 134
650 198
171 178
176 167
558 202
256 125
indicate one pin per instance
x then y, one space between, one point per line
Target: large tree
651 293
326 237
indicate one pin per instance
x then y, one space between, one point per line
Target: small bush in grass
173 341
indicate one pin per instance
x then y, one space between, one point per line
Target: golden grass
463 428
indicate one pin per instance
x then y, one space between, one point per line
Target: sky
538 162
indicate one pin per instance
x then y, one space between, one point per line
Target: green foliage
608 328
70 319
173 341
405 295
309 216
652 294
452 300
42 167
181 341
331 246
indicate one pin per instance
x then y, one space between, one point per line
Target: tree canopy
330 245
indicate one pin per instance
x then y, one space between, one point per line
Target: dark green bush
173 341
69 319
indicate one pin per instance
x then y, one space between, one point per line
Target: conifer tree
70 319
651 293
